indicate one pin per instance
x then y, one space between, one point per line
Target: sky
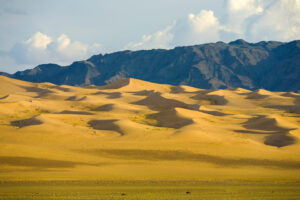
34 32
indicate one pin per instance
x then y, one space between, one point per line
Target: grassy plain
140 190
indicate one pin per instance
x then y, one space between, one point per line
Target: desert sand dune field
137 130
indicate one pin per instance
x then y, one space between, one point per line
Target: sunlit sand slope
137 130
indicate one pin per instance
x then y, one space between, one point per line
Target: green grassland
152 190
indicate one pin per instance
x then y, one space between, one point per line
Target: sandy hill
132 129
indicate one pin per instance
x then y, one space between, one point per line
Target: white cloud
38 41
41 48
238 13
250 6
252 20
280 21
195 28
203 21
160 39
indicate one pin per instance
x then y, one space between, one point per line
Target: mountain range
274 66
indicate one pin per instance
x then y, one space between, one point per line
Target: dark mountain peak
295 43
269 65
269 45
240 42
40 69
5 74
46 67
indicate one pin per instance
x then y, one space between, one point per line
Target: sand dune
131 84
157 102
256 95
133 129
112 95
105 108
4 97
75 98
74 112
277 135
37 163
210 99
169 119
26 122
106 125
117 84
163 155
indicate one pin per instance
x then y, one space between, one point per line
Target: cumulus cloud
280 21
238 13
252 20
196 28
160 39
41 48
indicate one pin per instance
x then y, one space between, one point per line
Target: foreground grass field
140 190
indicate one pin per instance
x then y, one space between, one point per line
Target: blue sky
33 32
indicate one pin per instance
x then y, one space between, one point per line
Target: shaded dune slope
276 135
166 115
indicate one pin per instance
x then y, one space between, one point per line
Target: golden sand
137 130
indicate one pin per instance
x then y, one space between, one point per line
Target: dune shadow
167 115
40 91
26 122
143 92
289 94
75 98
213 99
264 123
71 112
57 87
106 125
4 97
250 132
294 109
215 113
110 95
156 102
276 135
255 95
104 108
279 140
117 84
177 89
169 119
40 163
173 155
